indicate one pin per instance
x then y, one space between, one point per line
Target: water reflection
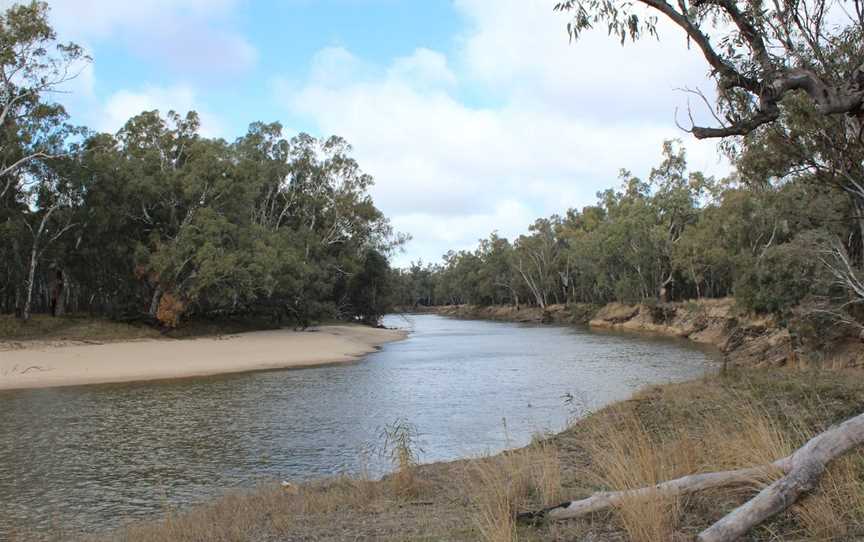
89 456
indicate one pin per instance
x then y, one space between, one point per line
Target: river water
90 457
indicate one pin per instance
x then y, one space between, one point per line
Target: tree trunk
31 275
803 469
18 309
680 486
154 302
65 295
57 293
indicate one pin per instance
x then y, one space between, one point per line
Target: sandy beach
41 364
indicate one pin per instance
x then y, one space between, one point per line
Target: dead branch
806 467
802 471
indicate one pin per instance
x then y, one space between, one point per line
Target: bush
171 309
784 275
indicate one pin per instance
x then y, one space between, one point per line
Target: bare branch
740 128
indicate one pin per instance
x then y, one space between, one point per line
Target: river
90 457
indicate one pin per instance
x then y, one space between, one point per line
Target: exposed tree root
802 471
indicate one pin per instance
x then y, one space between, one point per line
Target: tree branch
802 470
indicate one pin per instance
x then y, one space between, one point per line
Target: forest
676 235
161 224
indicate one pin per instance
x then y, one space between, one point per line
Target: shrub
171 309
783 275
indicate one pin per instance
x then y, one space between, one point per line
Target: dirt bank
747 340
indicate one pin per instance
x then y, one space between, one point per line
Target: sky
471 115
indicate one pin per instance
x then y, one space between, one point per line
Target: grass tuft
502 485
400 445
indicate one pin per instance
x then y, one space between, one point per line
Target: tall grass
504 484
625 456
626 453
835 511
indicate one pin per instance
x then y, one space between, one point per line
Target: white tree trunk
680 486
31 276
34 260
805 468
154 302
802 470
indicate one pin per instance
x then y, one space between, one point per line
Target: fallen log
680 486
802 471
806 467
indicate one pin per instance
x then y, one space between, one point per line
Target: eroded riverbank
745 340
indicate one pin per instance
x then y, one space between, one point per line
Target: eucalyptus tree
414 286
369 289
536 258
789 78
499 281
758 53
54 201
577 233
313 201
33 131
181 189
32 64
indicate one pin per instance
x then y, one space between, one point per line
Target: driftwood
802 471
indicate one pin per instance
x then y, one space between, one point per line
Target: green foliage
783 275
157 220
680 235
369 288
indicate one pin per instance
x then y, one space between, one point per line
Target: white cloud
101 18
522 46
190 36
124 104
562 121
460 232
424 67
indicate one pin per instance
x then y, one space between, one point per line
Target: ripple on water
89 457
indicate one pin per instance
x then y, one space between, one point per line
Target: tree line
159 222
675 235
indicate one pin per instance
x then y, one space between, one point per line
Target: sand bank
38 365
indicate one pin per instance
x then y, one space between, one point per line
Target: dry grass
269 512
836 509
400 445
79 327
70 328
716 424
625 456
232 518
502 485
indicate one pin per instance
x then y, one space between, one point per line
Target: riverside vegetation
158 223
